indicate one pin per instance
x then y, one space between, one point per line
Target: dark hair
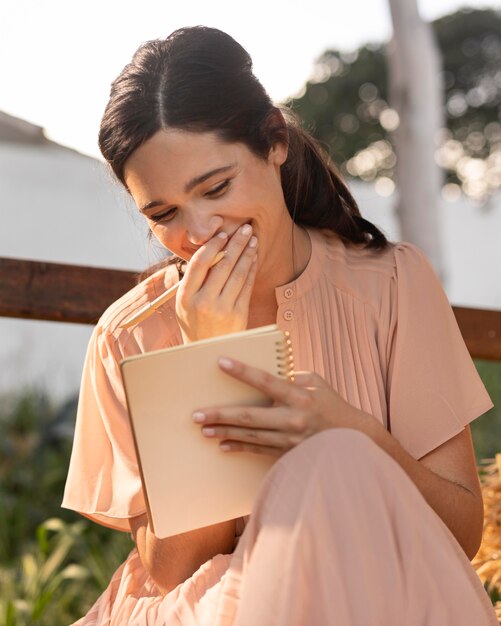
200 79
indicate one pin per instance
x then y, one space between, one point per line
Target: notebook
188 481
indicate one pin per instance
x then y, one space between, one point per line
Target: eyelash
166 216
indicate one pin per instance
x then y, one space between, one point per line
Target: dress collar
295 289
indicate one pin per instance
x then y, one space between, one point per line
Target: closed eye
216 191
165 216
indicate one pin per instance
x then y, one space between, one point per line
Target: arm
447 477
172 560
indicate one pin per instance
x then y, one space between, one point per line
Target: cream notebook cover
189 483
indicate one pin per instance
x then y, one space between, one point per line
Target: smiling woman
375 486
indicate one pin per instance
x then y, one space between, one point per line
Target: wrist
364 422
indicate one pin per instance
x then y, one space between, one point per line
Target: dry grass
487 561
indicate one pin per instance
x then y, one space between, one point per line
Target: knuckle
223 265
196 262
245 416
304 400
239 274
297 424
249 281
267 379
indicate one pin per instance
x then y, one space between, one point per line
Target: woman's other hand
215 301
300 410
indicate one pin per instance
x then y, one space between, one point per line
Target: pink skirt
339 536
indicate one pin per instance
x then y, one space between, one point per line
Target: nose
201 228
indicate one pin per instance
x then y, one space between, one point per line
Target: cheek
168 236
263 186
251 196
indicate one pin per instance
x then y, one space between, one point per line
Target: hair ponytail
315 193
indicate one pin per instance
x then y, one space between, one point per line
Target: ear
275 127
278 153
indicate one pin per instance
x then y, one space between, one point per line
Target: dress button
288 293
288 315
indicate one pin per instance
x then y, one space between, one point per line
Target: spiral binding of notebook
285 358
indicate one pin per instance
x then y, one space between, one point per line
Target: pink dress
339 534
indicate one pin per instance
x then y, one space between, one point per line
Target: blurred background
337 65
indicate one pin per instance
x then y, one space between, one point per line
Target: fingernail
222 235
253 242
225 363
198 417
209 432
246 229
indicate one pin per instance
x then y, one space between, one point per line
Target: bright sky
58 57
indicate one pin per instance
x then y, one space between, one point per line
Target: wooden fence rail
57 292
72 293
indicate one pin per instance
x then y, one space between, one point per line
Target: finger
236 280
241 278
266 438
278 389
200 264
261 418
244 297
220 274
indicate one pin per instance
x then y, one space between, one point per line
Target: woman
373 509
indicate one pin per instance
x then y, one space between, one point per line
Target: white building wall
58 205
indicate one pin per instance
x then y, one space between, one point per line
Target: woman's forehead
182 152
177 158
173 143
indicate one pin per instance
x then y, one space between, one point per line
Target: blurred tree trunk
416 95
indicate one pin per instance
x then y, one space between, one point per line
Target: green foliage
346 104
486 431
470 44
342 106
43 578
52 569
493 594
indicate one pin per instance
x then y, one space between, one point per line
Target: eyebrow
190 185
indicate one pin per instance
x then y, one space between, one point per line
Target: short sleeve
103 480
433 387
